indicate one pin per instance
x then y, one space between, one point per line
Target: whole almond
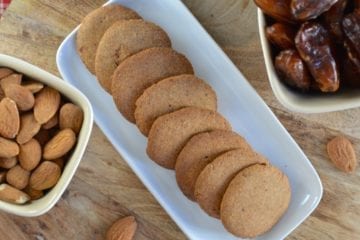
12 195
71 116
8 163
51 123
47 103
60 144
4 72
45 176
11 79
122 229
34 194
29 127
8 148
18 177
23 98
9 118
2 176
342 154
34 87
30 155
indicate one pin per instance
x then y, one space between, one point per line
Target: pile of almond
38 130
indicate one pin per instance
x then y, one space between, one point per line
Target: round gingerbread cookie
123 39
141 70
200 150
170 95
215 177
93 28
255 200
170 132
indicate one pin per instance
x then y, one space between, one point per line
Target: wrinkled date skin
281 35
333 18
314 46
351 28
309 9
277 9
350 73
292 70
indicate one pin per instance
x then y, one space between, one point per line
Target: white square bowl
303 102
44 204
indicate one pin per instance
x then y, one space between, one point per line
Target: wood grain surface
104 188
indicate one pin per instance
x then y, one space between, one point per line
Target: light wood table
104 188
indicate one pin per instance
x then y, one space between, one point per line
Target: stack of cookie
154 87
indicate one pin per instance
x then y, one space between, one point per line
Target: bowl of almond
45 125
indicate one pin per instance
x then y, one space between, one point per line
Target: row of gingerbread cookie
131 58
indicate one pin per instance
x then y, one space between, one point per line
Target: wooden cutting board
104 188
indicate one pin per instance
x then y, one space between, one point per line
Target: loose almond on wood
12 195
47 103
23 98
9 118
71 116
342 154
122 229
29 127
30 154
45 176
18 177
60 144
8 148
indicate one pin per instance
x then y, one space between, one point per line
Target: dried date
292 70
309 9
277 9
281 35
333 18
350 73
315 48
351 28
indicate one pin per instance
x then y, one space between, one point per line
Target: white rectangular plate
238 102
